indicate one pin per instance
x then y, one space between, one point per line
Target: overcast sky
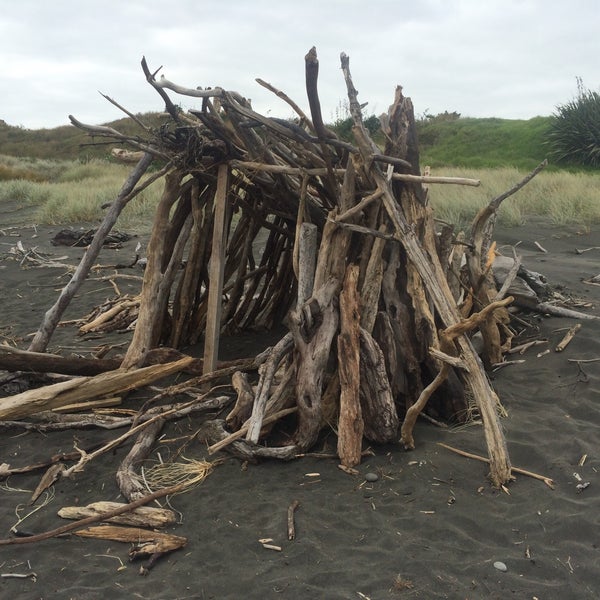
512 59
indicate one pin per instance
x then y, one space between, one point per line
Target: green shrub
7 173
574 136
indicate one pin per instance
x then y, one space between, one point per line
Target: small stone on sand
500 566
371 477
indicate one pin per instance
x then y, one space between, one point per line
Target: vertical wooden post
216 271
350 422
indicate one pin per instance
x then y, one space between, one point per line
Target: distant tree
427 117
574 135
343 122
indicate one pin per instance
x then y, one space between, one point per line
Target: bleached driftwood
144 516
78 389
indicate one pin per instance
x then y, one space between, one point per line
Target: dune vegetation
69 192
562 197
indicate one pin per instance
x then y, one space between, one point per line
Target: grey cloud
512 59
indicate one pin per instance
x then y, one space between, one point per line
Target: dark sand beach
431 526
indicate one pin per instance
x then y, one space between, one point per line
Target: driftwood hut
264 222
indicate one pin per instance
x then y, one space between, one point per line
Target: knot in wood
310 320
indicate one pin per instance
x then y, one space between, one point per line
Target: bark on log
245 399
146 543
378 407
313 329
158 278
13 359
307 256
217 270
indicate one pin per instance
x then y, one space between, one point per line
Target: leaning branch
53 315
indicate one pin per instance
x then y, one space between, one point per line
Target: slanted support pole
53 315
216 272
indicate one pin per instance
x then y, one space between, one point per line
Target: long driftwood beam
48 421
322 171
287 99
140 517
163 82
350 423
547 480
103 130
433 179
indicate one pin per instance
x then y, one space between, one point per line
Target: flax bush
574 136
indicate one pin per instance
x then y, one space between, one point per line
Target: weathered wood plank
216 272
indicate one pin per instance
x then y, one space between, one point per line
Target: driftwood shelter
264 222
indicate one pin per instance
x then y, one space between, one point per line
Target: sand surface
430 527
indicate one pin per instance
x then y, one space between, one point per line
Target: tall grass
561 196
75 193
31 169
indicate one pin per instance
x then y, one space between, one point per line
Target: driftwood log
144 516
266 221
84 388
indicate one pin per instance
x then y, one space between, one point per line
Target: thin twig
549 482
290 519
568 337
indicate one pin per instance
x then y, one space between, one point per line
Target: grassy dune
484 143
67 192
